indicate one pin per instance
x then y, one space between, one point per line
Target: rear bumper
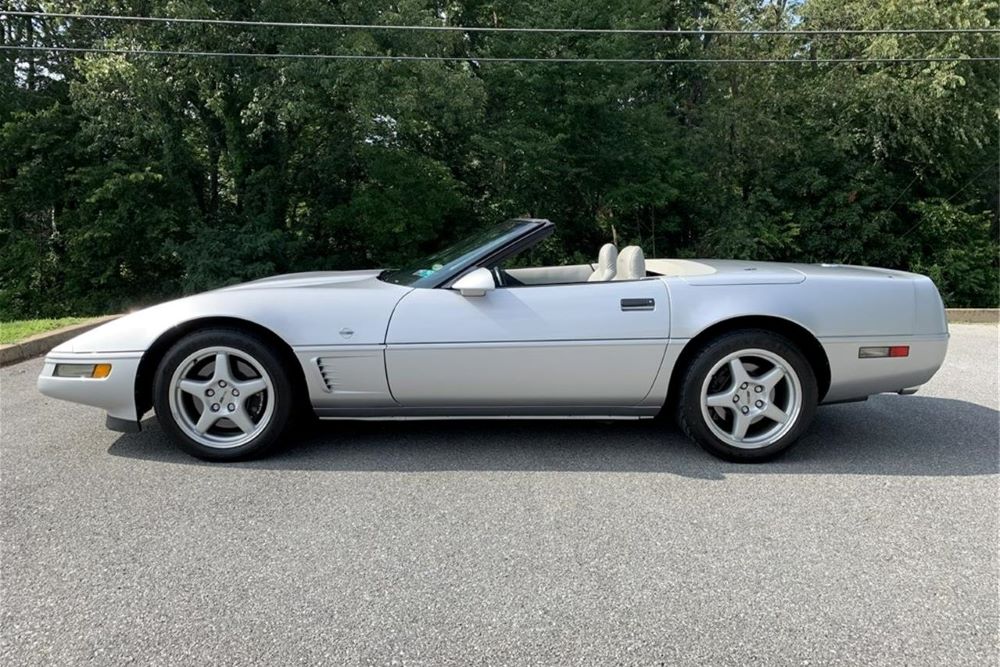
852 378
115 393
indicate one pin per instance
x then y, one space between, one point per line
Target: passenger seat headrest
631 264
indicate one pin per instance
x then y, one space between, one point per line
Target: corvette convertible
739 353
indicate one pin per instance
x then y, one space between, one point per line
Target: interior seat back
631 264
607 264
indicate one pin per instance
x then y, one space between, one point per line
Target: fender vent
352 374
328 371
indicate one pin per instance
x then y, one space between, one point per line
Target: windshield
428 271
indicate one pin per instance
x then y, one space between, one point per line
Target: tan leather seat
607 264
631 264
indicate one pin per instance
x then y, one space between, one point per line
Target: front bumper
115 393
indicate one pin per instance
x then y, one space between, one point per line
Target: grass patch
14 332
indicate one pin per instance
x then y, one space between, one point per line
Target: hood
306 279
300 308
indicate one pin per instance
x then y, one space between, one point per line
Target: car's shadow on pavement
888 435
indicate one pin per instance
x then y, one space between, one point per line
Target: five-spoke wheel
750 398
221 397
747 395
223 393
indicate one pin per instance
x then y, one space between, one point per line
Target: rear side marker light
97 371
882 352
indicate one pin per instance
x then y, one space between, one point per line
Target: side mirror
475 283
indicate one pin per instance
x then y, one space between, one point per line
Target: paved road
875 540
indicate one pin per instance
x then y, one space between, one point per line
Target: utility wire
494 59
903 192
452 28
955 194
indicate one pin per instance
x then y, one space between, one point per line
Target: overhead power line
497 29
493 59
962 189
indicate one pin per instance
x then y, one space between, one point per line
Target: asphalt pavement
875 540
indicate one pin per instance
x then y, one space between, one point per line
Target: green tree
127 179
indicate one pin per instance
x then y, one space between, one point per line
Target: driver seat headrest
607 264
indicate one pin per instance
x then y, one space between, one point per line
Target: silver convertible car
741 353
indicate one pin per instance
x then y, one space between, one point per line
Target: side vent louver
328 371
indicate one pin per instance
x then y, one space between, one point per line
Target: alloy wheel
751 398
221 397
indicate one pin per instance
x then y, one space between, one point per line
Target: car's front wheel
223 395
747 396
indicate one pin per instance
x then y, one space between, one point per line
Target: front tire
747 396
223 395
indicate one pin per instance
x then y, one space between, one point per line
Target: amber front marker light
98 371
882 352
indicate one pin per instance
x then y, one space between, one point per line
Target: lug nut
736 399
758 389
215 407
230 407
236 392
210 392
744 385
222 383
744 409
759 404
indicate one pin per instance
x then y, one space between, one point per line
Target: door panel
558 345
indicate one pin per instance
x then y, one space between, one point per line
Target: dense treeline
126 179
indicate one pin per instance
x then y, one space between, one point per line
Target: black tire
281 393
693 420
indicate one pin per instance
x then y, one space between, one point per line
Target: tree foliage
127 179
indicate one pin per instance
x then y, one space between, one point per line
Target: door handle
638 304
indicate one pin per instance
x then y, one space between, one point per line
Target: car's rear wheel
223 395
747 396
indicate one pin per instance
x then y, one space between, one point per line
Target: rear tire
747 396
223 395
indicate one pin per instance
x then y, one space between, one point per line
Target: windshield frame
511 235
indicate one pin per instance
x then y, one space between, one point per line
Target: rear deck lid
739 272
